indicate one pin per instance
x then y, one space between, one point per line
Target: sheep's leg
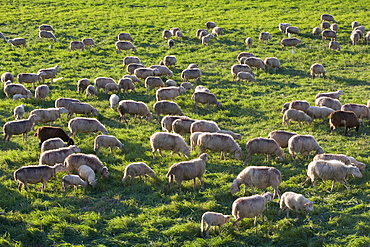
236 223
268 157
153 151
207 230
170 181
344 182
132 180
314 184
160 152
43 186
201 182
332 186
25 186
20 186
195 106
255 220
194 182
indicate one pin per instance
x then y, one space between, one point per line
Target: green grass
144 214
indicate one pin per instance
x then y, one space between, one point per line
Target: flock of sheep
59 154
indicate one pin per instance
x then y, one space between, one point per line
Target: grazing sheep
260 145
182 126
294 201
76 45
82 84
334 27
88 174
137 169
46 27
125 36
319 112
316 31
283 27
174 30
264 36
169 61
7 76
163 70
201 32
170 43
347 160
327 17
331 170
88 42
296 115
281 137
354 24
166 107
218 142
236 136
18 96
245 76
81 108
333 95
361 111
52 143
204 126
292 30
17 42
36 174
244 54
255 62
346 119
260 177
124 45
205 98
101 82
329 34
74 161
179 35
361 28
106 141
47 35
201 89
169 93
186 85
210 24
132 66
50 73
194 140
249 207
167 121
113 100
317 69
136 108
301 105
213 219
355 38
30 78
85 125
303 144
144 73
168 141
290 42
109 87
91 91
130 59
54 156
187 170
18 127
356 163
206 39
153 81
248 42
367 38
217 31
272 63
328 102
74 180
188 74
325 25
49 114
166 34
133 78
237 68
18 112
46 132
42 92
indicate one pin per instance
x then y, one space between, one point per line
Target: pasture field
144 214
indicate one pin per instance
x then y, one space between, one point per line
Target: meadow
144 214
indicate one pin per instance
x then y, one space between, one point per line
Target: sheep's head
238 154
235 186
227 218
269 196
62 110
60 168
355 171
149 117
204 156
308 206
186 151
105 172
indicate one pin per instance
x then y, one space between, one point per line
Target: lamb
18 127
206 39
113 100
166 107
187 170
74 180
7 76
355 38
136 108
106 141
182 125
319 112
125 36
296 115
168 141
213 219
100 82
132 66
281 137
124 45
316 31
283 27
46 27
329 102
361 111
205 98
248 42
17 42
303 144
30 77
210 24
143 73
85 125
261 145
91 91
188 74
18 96
137 169
18 112
347 160
333 95
346 119
260 177
169 61
54 156
49 114
88 42
76 45
327 17
111 87
290 42
88 174
329 34
167 121
294 201
163 70
81 108
325 25
36 174
186 85
272 63
204 126
218 142
217 31
292 30
52 143
46 132
264 36
130 59
201 89
133 78
169 93
249 207
47 35
42 92
331 170
237 68
170 43
74 161
166 34
317 69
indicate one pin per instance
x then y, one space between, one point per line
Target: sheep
168 141
111 87
316 31
179 35
201 89
361 28
18 112
130 59
54 156
204 126
153 81
182 125
86 125
113 100
260 145
42 92
244 54
248 42
356 163
354 24
272 62
17 42
186 85
201 32
132 66
166 34
361 111
328 102
169 61
188 74
7 76
170 43
218 142
187 170
281 137
143 73
100 82
166 107
327 17
36 174
169 93
347 160
319 112
76 45
334 27
82 84
49 114
107 141
355 38
346 119
249 207
46 27
290 42
213 219
205 98
74 180
174 30
331 170
125 36
329 34
255 62
136 108
325 25
206 39
167 121
63 102
88 42
237 68
133 78
264 36
294 201
30 78
283 27
317 69
18 96
296 115
210 24
292 30
194 139
236 136
47 35
124 45
260 177
333 95
81 108
52 143
217 31
88 174
303 144
163 70
357 32
50 73
46 132
137 169
74 161
91 91
18 127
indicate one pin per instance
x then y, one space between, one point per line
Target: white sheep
355 37
264 36
244 54
76 45
42 92
107 141
167 121
201 89
213 219
100 82
296 115
133 78
255 62
126 84
136 108
168 141
143 73
319 112
316 31
317 69
74 161
170 43
303 144
194 140
7 76
293 42
182 125
292 30
81 108
361 111
130 59
248 42
169 61
283 27
113 100
91 91
47 35
125 36
218 142
169 93
137 169
272 63
170 83
111 87
245 76
333 95
325 25
163 70
63 102
188 74
187 170
205 98
334 45
88 174
49 114
347 160
266 146
329 102
206 39
88 42
46 27
166 107
30 78
204 126
281 137
294 201
85 125
74 180
236 68
132 66
192 66
210 24
19 127
329 34
217 31
334 27
186 85
327 17
52 143
166 34
124 45
54 156
17 42
18 96
18 112
49 73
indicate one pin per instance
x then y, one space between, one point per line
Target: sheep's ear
227 216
